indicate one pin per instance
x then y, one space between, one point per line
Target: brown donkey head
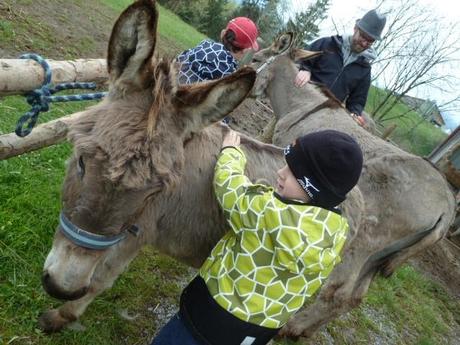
129 148
265 61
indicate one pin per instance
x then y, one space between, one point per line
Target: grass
406 309
418 307
15 31
420 140
173 31
175 35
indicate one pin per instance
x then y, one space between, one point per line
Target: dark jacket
352 81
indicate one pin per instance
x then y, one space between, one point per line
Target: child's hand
232 138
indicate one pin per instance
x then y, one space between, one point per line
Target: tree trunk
18 76
47 134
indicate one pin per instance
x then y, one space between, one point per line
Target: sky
344 13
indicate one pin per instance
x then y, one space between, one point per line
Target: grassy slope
407 309
420 141
173 31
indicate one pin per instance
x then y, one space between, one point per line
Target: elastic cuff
230 147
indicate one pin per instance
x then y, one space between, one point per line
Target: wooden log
18 76
44 135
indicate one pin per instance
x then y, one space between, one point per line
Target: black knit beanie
327 164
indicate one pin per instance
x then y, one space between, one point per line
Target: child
211 60
281 247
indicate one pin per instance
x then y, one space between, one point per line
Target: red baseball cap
245 32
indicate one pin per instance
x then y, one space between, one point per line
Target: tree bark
18 76
47 134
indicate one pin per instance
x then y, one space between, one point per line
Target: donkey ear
283 42
209 102
302 54
132 43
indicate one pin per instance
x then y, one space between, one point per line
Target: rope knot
40 98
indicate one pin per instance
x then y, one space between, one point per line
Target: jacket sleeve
358 96
235 192
308 64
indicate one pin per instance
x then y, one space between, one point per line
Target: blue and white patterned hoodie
209 60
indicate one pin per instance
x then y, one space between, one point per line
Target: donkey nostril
45 277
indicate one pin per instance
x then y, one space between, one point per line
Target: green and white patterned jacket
278 252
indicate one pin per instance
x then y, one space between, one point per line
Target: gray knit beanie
372 23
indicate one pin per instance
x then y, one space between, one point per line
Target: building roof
426 108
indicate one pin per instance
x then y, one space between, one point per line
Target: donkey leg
54 320
104 276
306 322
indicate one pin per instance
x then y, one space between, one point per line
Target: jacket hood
344 41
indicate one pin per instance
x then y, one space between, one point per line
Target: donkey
142 168
408 204
141 174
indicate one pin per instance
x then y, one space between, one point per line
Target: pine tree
250 8
214 19
306 24
270 22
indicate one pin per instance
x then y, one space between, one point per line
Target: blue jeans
174 333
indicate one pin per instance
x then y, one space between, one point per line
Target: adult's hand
359 119
232 138
302 78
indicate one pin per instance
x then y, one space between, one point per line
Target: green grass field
421 140
406 309
172 30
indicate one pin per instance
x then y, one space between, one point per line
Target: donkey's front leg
103 278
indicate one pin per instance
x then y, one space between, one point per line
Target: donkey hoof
51 321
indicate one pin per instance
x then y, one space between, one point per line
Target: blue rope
40 98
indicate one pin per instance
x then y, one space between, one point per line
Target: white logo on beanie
287 150
306 184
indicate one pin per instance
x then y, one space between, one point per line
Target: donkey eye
81 167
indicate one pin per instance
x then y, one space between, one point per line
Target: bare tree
414 53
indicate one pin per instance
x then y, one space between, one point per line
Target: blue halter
89 240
